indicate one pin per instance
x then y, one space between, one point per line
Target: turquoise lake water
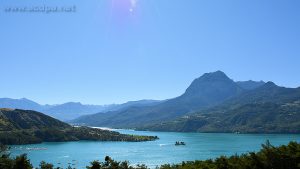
198 146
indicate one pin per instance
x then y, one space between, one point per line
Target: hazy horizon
74 101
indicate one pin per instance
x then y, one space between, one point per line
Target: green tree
5 161
44 165
222 163
22 162
95 165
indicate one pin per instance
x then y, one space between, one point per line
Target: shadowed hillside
267 109
207 91
26 127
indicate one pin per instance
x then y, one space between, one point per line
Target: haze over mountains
209 90
212 103
70 110
250 84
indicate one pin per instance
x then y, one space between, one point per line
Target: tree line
269 157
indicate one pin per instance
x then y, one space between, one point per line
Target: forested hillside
267 109
26 127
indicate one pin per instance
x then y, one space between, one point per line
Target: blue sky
113 51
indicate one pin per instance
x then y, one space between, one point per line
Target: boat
179 143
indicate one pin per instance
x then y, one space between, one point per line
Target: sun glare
125 5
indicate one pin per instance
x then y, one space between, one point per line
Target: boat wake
161 145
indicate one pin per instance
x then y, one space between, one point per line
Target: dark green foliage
14 119
249 118
22 162
68 134
28 127
5 161
112 164
44 165
94 165
269 157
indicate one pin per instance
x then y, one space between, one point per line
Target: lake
198 146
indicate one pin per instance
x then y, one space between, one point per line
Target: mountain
27 127
266 109
70 110
209 90
64 111
17 119
20 104
250 84
206 91
139 103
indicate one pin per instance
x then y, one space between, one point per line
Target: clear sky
113 51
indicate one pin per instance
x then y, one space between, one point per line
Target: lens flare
124 11
133 5
124 5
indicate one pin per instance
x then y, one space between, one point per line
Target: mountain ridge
27 127
69 110
250 84
267 109
206 91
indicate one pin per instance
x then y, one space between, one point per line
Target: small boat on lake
179 143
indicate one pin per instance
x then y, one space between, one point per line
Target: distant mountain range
70 110
214 103
26 127
250 84
208 90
